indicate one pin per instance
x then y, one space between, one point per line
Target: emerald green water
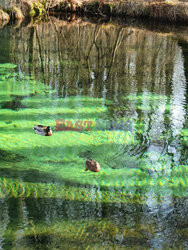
90 72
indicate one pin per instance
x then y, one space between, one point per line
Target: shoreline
170 12
175 30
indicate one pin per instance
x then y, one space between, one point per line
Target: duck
92 165
43 130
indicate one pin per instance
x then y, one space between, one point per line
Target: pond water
129 84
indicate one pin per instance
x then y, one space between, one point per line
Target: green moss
40 9
32 13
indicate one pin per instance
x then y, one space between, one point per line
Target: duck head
48 131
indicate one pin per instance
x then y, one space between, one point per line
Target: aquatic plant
54 167
9 156
85 233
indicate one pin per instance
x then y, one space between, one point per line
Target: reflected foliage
86 72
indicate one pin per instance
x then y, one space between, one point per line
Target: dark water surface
110 75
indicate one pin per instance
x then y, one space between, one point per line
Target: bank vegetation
163 10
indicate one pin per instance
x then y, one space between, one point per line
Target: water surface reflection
48 223
110 72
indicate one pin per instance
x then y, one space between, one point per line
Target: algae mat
53 167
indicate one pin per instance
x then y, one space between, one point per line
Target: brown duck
92 165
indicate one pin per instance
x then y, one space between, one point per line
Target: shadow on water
14 105
10 156
30 175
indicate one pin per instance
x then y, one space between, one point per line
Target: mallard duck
92 165
43 130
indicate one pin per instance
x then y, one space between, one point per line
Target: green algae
84 234
119 192
54 166
145 97
148 101
14 105
88 233
6 66
54 169
9 156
